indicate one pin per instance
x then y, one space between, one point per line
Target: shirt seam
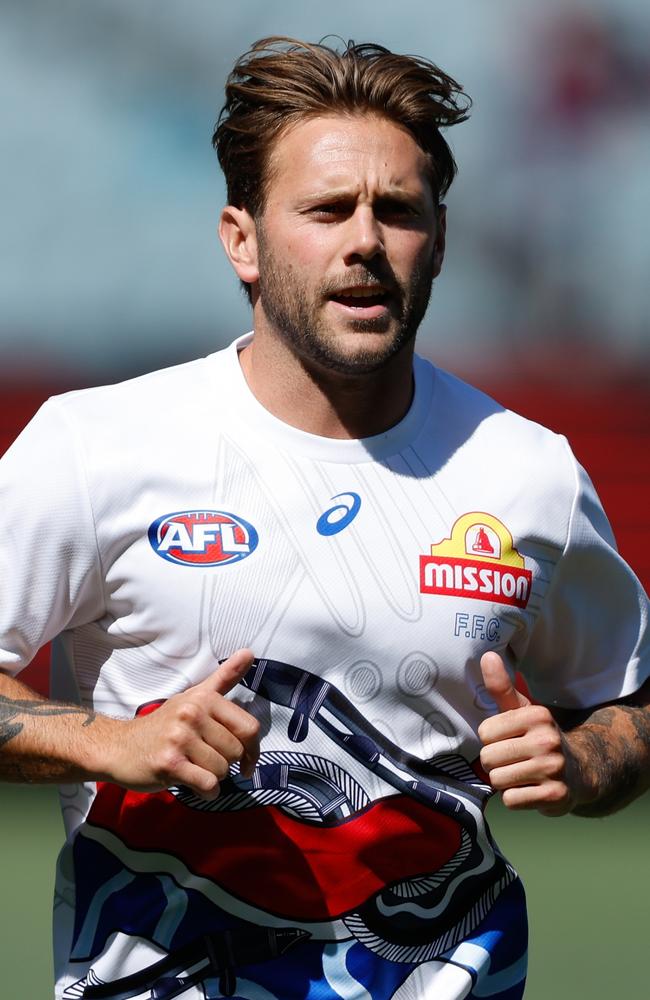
521 663
81 464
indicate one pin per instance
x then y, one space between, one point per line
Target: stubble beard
293 310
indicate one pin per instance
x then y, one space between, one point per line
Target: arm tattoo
640 719
12 708
615 745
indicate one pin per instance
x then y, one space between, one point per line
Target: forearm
191 739
44 741
610 753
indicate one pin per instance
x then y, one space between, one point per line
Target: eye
330 209
391 208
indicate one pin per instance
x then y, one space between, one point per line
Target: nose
364 238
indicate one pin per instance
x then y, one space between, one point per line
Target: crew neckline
371 449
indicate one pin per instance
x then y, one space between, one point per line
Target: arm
589 762
51 580
191 739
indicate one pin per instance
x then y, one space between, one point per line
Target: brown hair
282 81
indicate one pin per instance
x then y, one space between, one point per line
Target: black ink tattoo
12 708
616 739
640 719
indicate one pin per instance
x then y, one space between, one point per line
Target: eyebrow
397 194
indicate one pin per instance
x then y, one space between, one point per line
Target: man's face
349 241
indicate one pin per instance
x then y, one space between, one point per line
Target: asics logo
337 518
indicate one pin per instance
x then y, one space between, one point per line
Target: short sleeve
590 643
50 578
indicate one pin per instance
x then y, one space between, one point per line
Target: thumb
499 685
230 671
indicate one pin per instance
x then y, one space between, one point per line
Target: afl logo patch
202 537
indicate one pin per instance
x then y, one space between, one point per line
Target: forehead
346 150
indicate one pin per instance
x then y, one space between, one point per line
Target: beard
296 311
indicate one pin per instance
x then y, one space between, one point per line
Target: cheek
311 248
293 237
412 253
427 255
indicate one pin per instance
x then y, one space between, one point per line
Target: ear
439 243
239 238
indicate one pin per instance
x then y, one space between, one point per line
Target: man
290 584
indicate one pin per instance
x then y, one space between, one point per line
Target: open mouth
364 297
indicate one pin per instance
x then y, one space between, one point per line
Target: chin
360 359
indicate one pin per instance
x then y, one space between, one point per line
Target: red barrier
608 428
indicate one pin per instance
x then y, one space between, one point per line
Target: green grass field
588 883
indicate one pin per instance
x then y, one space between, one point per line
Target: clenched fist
191 739
525 753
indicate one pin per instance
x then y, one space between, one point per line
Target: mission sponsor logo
202 537
478 561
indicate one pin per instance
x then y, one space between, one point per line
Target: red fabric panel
281 864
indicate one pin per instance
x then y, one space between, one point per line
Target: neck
324 402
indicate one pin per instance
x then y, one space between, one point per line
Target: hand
191 739
525 753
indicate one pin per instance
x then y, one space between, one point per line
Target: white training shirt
157 526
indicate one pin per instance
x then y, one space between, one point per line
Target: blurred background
110 266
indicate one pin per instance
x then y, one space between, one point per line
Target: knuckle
489 729
249 728
176 736
539 715
497 779
210 784
554 792
549 741
510 798
233 751
189 712
254 726
555 764
221 769
166 765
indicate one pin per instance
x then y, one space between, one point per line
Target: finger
550 799
502 747
234 717
230 672
538 771
198 779
249 758
222 739
500 753
220 746
498 684
520 722
209 759
244 726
